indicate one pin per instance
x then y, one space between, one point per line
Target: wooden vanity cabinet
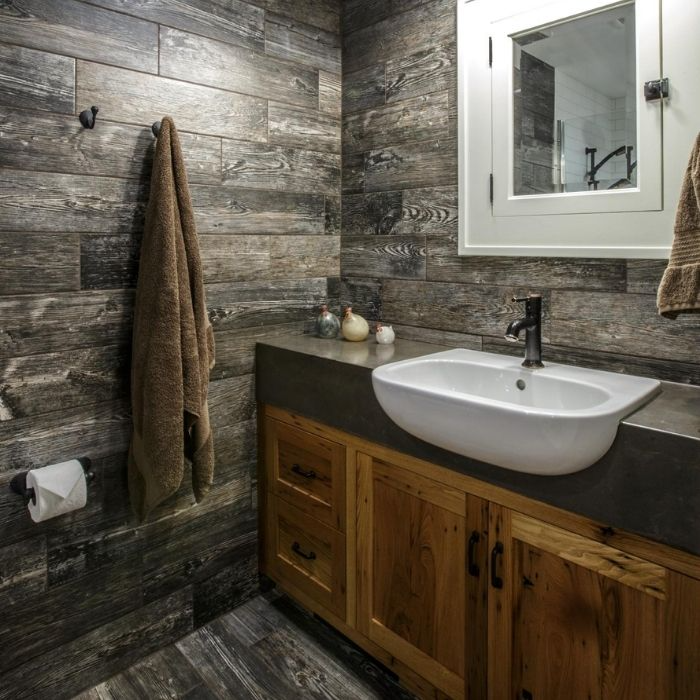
411 585
570 617
468 590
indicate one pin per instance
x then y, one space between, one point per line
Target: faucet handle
529 296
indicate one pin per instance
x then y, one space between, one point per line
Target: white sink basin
555 420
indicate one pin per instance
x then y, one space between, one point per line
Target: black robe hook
155 128
87 117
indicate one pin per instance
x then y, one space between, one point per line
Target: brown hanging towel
172 344
679 291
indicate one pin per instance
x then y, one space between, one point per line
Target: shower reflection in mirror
574 105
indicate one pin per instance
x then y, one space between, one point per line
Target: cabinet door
411 555
570 617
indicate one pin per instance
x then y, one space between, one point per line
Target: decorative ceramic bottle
327 324
385 334
354 326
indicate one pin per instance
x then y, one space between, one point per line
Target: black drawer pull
472 566
296 548
496 581
311 474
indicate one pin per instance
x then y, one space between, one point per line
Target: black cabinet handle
310 474
296 548
496 581
472 566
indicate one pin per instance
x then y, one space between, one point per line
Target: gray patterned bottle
327 324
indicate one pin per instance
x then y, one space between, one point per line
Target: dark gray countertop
648 483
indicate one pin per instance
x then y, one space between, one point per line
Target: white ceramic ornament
385 334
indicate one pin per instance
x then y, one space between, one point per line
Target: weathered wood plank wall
399 259
254 88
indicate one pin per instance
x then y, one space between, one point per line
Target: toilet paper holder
18 484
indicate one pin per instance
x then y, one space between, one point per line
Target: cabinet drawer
308 471
307 554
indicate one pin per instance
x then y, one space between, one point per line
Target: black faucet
532 323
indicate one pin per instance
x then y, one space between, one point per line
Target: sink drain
520 384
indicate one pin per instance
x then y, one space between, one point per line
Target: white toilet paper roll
58 488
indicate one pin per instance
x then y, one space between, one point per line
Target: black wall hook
155 128
87 117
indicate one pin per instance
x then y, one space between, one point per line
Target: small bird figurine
385 334
354 326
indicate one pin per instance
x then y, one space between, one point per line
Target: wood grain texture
232 400
198 555
239 210
415 119
109 262
431 210
98 653
625 323
420 28
400 257
64 321
307 471
23 570
229 587
422 164
431 70
353 179
102 602
329 93
235 349
431 335
643 276
233 21
411 571
75 29
302 43
59 144
165 674
307 553
360 13
263 166
609 649
245 304
36 263
667 370
605 561
324 14
71 216
47 202
60 380
445 265
36 80
208 62
137 98
303 128
333 216
481 309
364 295
96 430
364 88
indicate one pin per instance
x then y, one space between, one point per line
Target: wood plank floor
268 648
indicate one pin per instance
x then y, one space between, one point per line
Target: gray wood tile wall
254 88
399 259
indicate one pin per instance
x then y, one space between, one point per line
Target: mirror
564 149
574 105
